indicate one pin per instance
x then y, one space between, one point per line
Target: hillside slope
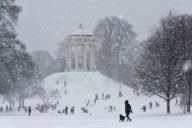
82 86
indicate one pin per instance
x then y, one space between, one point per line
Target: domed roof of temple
80 32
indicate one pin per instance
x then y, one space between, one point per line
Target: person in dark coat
66 110
150 105
128 110
1 109
144 108
29 111
72 110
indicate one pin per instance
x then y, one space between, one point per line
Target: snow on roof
81 32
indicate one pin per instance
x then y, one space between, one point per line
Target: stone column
76 58
69 57
94 65
84 58
66 57
91 59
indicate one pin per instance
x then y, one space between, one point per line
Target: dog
121 118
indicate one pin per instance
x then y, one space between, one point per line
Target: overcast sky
45 23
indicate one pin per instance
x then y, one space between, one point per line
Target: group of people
54 106
128 110
111 108
42 108
66 110
104 97
144 108
6 108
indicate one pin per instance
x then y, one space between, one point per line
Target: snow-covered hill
82 86
83 83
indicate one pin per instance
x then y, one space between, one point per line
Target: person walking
29 111
128 110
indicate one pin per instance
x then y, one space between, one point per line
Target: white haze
45 23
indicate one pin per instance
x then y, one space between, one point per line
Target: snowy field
60 121
83 86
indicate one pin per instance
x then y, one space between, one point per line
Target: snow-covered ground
60 121
83 86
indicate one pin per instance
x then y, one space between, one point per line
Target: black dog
121 118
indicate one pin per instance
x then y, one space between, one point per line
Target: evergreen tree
15 62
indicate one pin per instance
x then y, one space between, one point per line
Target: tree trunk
23 103
188 76
189 101
10 106
168 106
19 100
23 100
13 104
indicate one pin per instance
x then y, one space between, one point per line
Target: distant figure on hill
107 97
7 108
120 94
88 102
96 96
66 110
110 108
114 109
84 110
72 111
150 105
59 112
176 102
1 109
65 83
157 104
128 110
144 108
29 111
95 101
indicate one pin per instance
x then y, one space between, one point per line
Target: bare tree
44 64
184 38
115 47
158 71
47 96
